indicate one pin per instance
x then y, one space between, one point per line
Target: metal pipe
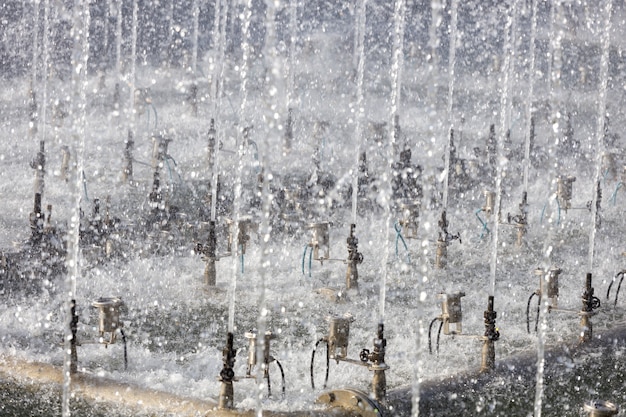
590 303
377 357
354 258
227 375
491 335
74 341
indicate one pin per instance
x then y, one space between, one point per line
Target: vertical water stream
604 75
528 107
80 54
504 128
450 104
358 106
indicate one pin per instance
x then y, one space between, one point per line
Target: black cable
430 327
528 312
125 351
313 361
618 286
269 383
439 335
608 290
327 365
537 317
282 374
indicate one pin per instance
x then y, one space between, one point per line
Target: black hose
528 312
439 335
430 327
538 309
282 375
313 361
125 350
269 383
618 286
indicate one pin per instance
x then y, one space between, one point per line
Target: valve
320 241
490 202
564 186
267 358
109 309
410 219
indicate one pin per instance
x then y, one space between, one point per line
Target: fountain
286 92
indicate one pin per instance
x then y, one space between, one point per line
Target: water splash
360 70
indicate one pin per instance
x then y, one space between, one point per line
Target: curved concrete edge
524 366
399 400
132 397
104 390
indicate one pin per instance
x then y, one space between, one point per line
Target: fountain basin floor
574 374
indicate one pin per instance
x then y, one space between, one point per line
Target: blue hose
310 260
614 195
558 220
398 230
85 186
304 258
242 260
156 116
167 159
485 228
256 154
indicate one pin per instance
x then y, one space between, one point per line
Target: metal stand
491 335
354 258
590 303
227 375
